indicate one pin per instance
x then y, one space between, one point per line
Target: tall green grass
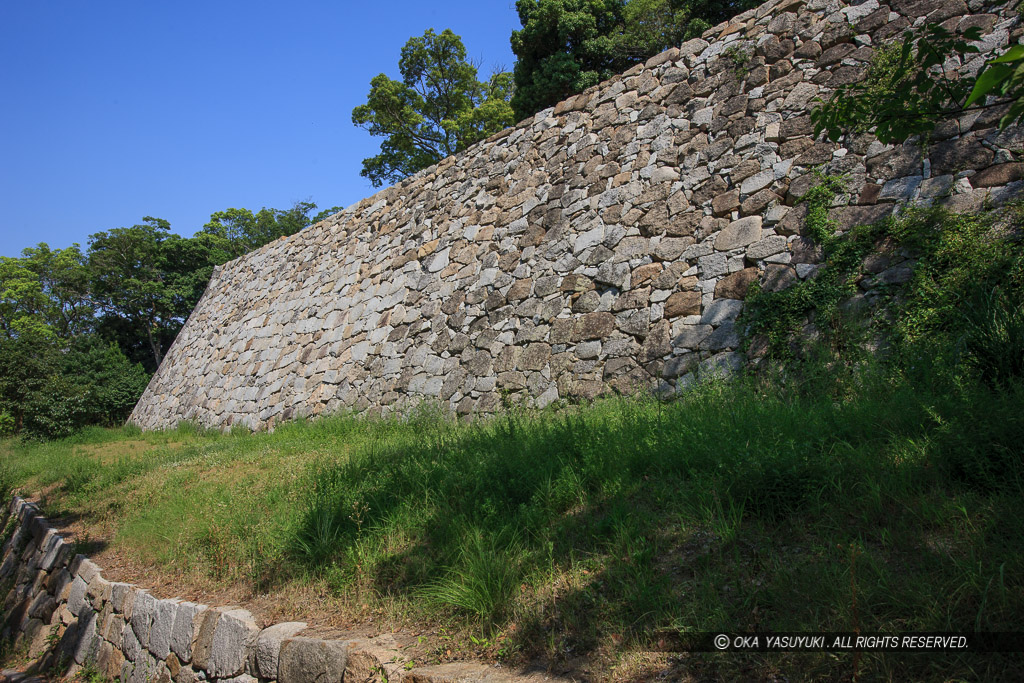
837 492
756 503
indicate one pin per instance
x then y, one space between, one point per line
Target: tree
326 213
437 109
564 47
46 292
906 91
244 230
56 375
567 46
110 383
129 283
187 264
27 362
652 26
1003 77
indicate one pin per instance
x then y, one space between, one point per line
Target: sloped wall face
606 244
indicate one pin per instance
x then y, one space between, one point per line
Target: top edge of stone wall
670 55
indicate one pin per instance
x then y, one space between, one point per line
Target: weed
993 336
53 638
319 536
739 57
90 673
483 582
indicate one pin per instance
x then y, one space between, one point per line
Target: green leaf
987 81
1012 55
1014 114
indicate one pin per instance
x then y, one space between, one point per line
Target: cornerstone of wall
604 244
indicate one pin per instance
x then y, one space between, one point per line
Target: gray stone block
268 646
233 640
310 659
202 646
76 598
143 612
187 619
721 310
119 592
739 233
88 643
53 547
162 628
130 645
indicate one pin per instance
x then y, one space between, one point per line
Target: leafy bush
906 92
57 410
113 383
50 390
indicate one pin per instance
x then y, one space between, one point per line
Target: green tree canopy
129 282
652 26
567 46
45 292
244 230
80 333
564 47
437 109
905 92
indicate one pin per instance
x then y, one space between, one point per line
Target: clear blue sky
111 111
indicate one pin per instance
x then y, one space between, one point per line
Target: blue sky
111 111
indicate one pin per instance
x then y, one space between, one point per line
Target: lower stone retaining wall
62 612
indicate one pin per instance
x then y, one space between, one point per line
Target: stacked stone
606 244
65 614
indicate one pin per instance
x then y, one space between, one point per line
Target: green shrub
484 580
57 410
113 383
50 390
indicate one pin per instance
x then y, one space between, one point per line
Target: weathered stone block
593 326
735 285
739 233
721 311
1001 174
682 303
143 613
162 628
268 646
233 640
308 659
202 645
76 598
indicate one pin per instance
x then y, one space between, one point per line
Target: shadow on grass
601 531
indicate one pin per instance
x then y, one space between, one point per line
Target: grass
835 490
590 532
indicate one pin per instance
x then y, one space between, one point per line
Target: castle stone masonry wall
604 244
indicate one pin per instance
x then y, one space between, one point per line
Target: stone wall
62 613
604 244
